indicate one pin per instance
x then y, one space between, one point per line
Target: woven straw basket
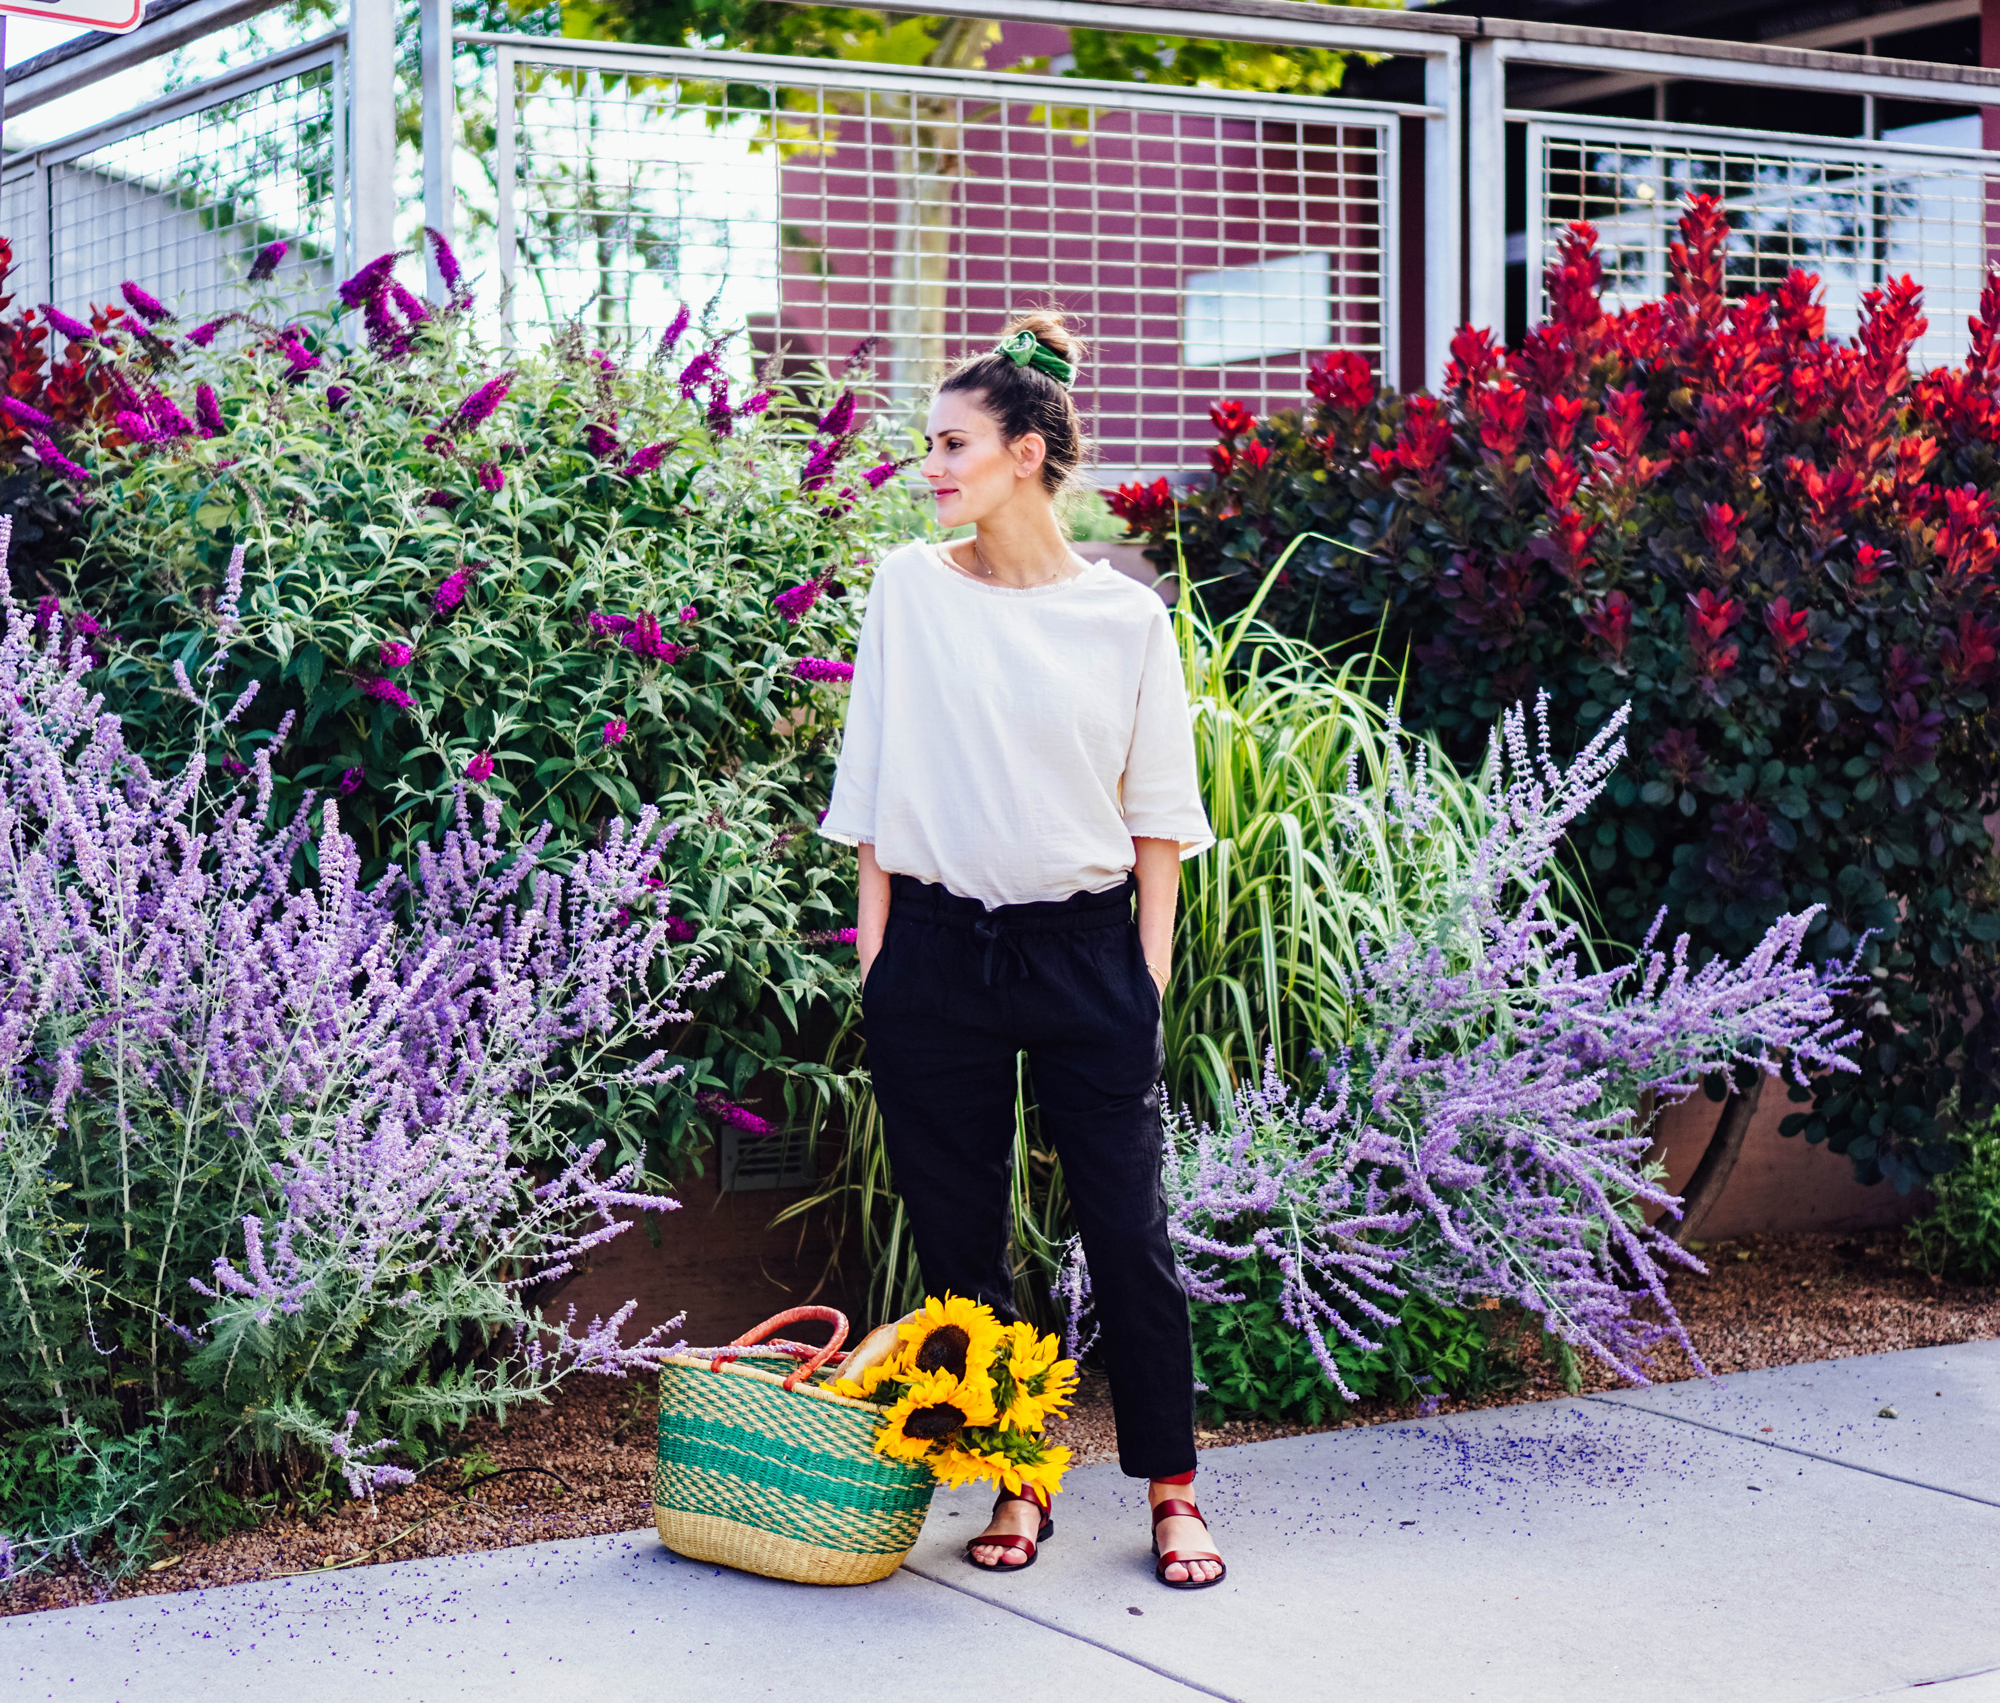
761 1470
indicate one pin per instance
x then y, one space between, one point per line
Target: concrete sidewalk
1765 1538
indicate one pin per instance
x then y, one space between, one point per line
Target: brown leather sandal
1012 1540
1163 1559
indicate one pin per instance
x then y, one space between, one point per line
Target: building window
1245 313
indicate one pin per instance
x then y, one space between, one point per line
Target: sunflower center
945 1350
927 1424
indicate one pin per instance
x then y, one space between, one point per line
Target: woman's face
973 471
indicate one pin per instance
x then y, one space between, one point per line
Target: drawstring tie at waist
1003 959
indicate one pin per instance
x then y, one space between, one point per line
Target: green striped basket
780 1481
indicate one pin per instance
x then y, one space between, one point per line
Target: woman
1017 764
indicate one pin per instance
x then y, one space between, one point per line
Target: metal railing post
440 120
1486 186
1443 281
371 65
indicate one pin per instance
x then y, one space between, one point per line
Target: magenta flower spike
265 266
208 412
614 731
822 670
480 768
144 303
74 329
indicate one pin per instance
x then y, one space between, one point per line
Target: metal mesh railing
1209 244
1855 213
181 195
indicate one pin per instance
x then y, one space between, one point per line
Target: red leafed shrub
64 392
1781 547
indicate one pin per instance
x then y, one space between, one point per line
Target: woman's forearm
872 911
1157 863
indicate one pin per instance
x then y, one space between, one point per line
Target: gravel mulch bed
583 1465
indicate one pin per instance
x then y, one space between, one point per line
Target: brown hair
1024 400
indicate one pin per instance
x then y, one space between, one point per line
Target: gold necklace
987 572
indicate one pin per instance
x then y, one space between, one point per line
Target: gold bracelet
1159 976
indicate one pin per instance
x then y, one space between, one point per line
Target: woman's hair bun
1025 399
1051 330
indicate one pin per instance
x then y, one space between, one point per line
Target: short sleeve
850 818
1160 792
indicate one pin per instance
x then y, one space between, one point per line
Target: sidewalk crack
1793 1449
1070 1632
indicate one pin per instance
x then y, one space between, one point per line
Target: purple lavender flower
735 1116
720 418
451 591
614 731
699 371
393 653
757 404
599 440
448 270
203 335
265 266
678 929
350 781
410 306
368 283
387 692
74 329
480 768
26 415
838 420
478 408
491 479
442 499
58 463
166 416
146 305
646 461
608 626
794 602
137 427
690 613
675 330
820 462
337 397
644 639
881 474
47 607
823 669
208 412
831 937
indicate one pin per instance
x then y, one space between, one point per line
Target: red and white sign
117 16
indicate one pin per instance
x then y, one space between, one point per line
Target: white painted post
371 62
1443 275
440 131
1486 186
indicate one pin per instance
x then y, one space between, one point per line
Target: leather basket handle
813 1358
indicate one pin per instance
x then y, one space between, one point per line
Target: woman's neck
1020 549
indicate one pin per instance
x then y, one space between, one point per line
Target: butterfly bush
286 1156
1479 1136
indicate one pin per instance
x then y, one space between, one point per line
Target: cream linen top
1009 744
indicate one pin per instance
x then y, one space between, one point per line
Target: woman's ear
1029 451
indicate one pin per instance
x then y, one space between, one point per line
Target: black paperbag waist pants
955 994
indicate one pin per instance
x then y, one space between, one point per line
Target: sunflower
872 1380
953 1335
1006 1458
934 1408
1031 1377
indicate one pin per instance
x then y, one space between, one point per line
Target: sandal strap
1169 1556
1041 1502
1174 1507
1005 1540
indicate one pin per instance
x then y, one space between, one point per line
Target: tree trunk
1725 1147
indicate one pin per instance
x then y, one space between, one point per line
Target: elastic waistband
910 897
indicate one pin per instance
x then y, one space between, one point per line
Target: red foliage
1609 622
1143 508
1231 419
1343 379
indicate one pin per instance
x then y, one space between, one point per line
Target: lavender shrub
1478 1133
284 1157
